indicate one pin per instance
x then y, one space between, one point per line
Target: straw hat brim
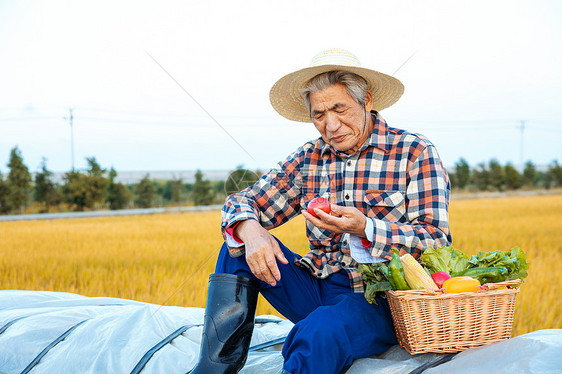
286 98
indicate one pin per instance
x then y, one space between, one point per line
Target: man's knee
228 264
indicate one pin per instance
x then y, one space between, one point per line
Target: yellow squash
461 284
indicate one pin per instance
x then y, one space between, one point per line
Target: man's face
342 122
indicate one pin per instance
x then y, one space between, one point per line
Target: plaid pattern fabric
396 179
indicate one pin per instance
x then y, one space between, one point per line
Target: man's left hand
342 219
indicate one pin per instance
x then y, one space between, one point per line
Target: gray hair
355 85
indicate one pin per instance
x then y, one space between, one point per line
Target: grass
166 259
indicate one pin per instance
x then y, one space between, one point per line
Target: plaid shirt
396 179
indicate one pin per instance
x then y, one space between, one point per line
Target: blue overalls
333 325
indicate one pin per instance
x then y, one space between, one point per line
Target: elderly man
387 188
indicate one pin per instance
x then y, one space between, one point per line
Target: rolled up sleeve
272 200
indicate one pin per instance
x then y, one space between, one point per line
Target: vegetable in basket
487 275
376 278
396 272
456 263
447 259
415 275
439 277
490 267
461 284
514 260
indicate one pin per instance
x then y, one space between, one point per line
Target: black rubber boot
229 323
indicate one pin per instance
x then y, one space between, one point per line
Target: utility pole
70 118
522 128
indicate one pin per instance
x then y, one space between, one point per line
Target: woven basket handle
424 291
493 286
484 287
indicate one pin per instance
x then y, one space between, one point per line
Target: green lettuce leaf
447 259
436 258
517 256
458 262
514 260
486 259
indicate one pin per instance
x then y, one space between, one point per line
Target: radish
440 277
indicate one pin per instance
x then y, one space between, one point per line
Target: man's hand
262 251
342 219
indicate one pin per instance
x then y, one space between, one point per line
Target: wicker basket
427 321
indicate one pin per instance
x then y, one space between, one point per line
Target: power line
548 127
39 118
548 123
186 122
456 121
134 113
127 117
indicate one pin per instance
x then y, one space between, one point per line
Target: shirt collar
377 139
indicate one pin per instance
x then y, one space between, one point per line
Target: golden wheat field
166 258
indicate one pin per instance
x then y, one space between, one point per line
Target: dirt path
463 195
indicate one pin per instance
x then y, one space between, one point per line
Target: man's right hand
262 251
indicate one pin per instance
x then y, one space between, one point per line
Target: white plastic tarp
110 335
51 332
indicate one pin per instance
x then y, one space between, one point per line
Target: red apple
319 203
440 277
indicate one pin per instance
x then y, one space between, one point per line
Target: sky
184 85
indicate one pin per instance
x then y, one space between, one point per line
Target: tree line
496 177
97 188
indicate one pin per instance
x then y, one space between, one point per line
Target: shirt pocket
385 205
316 185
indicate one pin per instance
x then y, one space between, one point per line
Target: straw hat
285 94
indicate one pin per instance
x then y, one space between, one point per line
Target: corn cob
415 275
